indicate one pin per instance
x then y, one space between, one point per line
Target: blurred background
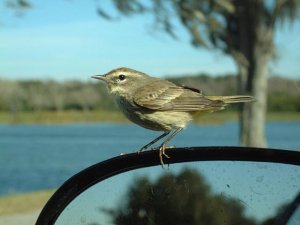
55 120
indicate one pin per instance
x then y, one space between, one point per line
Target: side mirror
211 185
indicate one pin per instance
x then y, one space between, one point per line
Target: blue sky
67 40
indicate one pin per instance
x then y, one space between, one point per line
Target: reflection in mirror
295 217
210 193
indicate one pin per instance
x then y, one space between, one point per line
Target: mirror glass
210 193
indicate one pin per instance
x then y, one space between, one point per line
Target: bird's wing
163 95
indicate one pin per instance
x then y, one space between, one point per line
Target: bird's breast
153 119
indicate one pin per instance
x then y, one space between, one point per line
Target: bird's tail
232 99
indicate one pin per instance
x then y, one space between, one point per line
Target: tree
184 198
243 29
18 6
11 97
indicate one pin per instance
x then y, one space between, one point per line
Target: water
35 157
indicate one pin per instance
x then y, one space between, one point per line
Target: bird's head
123 81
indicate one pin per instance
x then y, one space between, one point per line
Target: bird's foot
162 153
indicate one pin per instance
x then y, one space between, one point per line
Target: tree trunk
243 115
254 79
252 118
249 39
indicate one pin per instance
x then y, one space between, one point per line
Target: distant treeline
37 95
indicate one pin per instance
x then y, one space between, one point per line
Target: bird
160 105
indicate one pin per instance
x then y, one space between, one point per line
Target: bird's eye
122 77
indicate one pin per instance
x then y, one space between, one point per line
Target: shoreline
22 203
22 208
97 116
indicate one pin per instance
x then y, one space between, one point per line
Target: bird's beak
99 77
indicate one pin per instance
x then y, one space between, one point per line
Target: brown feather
163 96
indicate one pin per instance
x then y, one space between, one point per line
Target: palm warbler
159 104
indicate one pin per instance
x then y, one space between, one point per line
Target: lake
35 157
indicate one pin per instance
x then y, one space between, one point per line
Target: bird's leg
154 141
162 148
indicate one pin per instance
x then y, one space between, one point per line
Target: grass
47 117
22 203
283 116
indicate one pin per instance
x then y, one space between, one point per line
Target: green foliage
184 199
34 95
282 102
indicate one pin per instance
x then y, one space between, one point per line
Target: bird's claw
162 153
